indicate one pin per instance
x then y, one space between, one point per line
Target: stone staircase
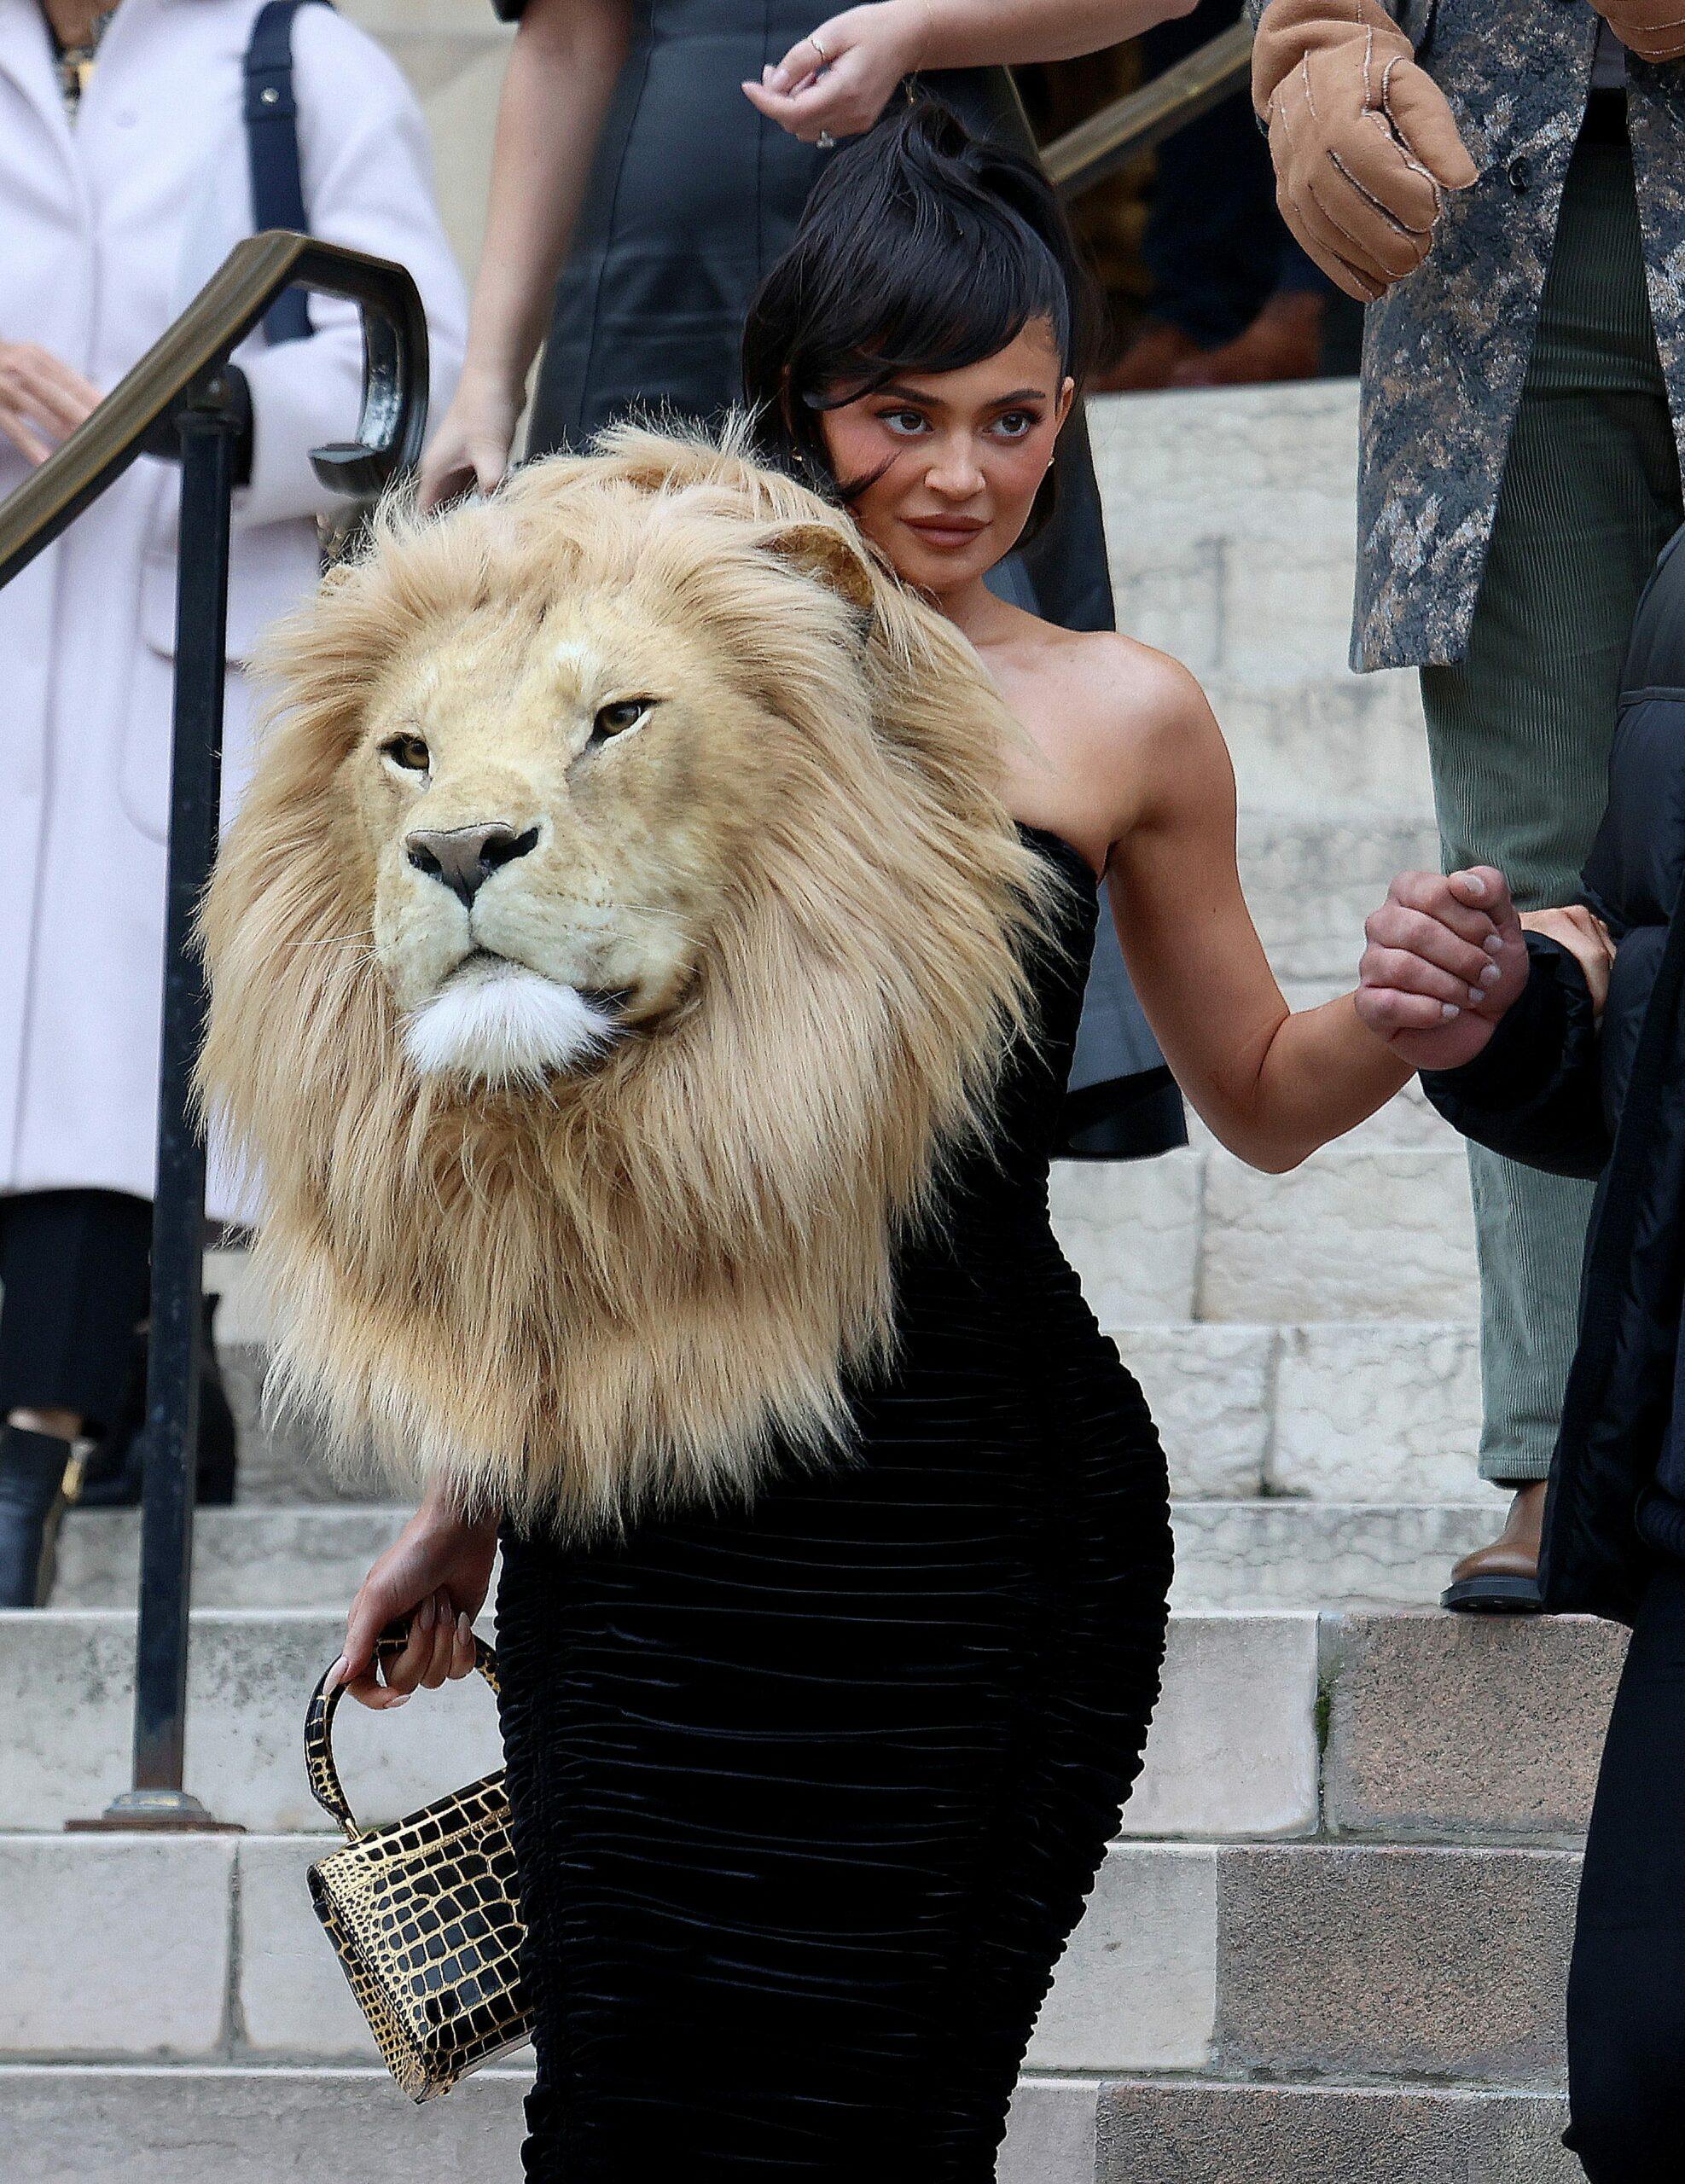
1328 1945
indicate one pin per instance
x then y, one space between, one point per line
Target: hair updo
922 249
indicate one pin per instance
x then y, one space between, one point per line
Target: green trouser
1519 732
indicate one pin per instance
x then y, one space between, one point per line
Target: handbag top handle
324 1776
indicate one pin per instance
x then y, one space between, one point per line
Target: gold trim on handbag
424 1915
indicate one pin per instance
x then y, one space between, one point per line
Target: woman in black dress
808 1794
631 163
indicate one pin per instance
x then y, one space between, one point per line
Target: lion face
553 802
641 764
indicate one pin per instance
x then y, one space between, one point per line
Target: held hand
1446 957
42 400
1652 29
470 450
441 1567
839 79
1586 937
1363 141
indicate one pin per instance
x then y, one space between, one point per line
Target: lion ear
831 556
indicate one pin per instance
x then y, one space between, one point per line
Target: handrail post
209 436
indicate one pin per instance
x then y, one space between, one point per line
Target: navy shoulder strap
272 148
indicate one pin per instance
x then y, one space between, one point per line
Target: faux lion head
622 927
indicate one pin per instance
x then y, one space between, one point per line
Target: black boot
32 1467
111 1475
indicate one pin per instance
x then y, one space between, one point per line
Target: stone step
1388 1725
103 2123
1272 1554
1318 744
1342 1411
1263 1552
1192 2133
1233 1750
1362 1232
70 2123
1364 1961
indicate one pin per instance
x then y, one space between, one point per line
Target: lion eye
623 713
410 751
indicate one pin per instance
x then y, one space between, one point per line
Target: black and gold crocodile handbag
424 1917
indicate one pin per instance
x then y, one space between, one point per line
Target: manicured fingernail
463 1626
1448 1009
1490 975
429 1614
1492 945
336 1675
402 1699
1475 882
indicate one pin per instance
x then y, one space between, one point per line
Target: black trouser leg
73 1269
1626 1987
73 1286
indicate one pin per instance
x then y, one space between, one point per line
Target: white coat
110 227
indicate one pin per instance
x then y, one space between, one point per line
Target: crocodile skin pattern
425 1918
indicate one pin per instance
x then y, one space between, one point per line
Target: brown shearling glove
1652 29
1363 140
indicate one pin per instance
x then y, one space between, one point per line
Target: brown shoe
1149 362
1503 1578
1283 342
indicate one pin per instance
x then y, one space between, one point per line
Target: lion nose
463 858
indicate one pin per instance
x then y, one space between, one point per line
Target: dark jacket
1559 1092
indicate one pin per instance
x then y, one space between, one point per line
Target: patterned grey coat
1445 351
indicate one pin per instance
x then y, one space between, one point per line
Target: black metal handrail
1095 150
181 384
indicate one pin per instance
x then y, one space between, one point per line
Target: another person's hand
469 450
1652 29
1586 937
440 1568
42 399
836 81
1446 957
1363 140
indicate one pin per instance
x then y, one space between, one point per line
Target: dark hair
922 249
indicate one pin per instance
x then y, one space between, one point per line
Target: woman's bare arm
562 68
1273 1085
866 51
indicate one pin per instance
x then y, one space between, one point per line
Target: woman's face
955 458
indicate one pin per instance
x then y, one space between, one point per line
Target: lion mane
635 1284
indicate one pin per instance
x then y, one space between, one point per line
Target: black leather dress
809 1794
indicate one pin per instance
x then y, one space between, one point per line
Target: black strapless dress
808 1795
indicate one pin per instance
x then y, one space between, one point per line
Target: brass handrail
227 307
1110 139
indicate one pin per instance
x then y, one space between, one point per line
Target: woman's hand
1586 937
1446 957
440 1566
470 450
836 81
42 399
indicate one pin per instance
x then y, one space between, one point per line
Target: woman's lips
944 530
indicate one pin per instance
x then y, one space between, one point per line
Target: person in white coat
123 172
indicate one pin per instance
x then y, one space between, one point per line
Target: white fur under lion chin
498 1023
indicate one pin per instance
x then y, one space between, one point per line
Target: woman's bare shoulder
1139 706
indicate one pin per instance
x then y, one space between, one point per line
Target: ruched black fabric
808 1795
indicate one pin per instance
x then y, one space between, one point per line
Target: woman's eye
1016 423
903 422
623 713
410 751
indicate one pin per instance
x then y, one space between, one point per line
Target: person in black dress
639 199
808 1793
